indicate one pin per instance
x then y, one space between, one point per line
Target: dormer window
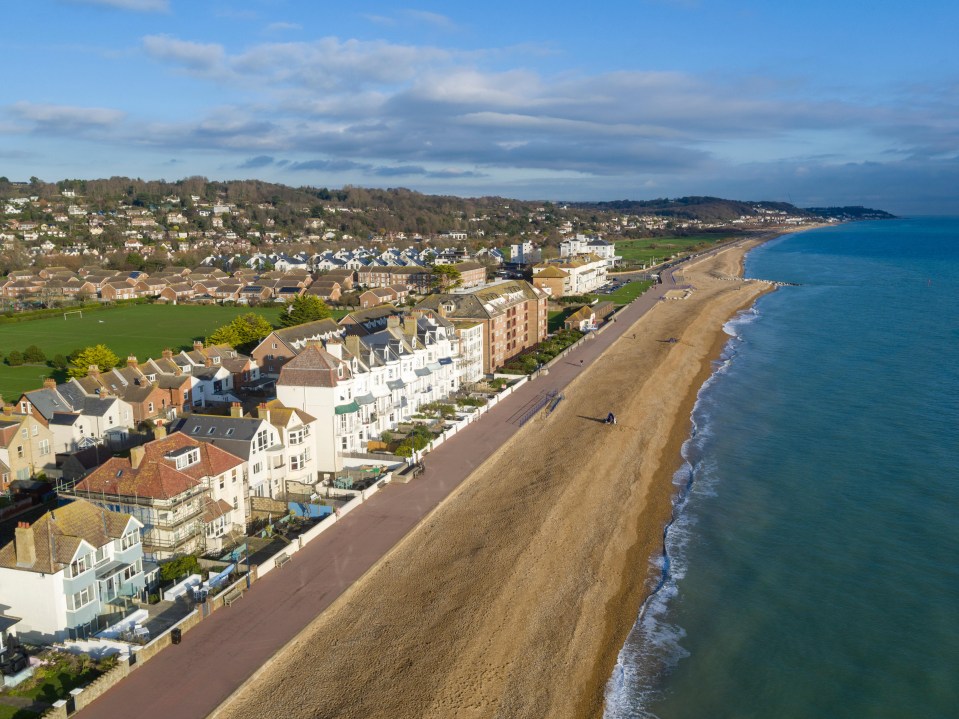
184 457
216 360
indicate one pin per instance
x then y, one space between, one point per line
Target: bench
282 559
232 597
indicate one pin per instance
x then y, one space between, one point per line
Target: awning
446 360
434 366
110 569
423 372
395 384
365 399
347 408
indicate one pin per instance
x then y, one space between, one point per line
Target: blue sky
841 102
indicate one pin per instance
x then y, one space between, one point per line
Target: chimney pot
132 361
167 354
49 383
197 345
236 409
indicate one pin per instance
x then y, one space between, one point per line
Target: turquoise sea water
813 562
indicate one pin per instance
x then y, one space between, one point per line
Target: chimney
263 411
392 321
236 409
93 371
335 348
24 545
49 383
136 457
132 362
208 362
167 354
197 345
409 326
159 432
353 345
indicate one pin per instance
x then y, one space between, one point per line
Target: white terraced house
371 383
72 572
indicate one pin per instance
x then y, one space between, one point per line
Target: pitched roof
312 367
58 534
157 476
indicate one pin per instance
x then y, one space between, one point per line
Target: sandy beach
514 597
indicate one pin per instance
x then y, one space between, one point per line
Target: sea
812 563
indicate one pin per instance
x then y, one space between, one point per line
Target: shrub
179 567
15 358
34 355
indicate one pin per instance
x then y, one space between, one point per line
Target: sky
838 102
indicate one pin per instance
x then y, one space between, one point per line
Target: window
81 565
25 433
257 467
44 447
150 407
222 482
130 539
101 555
20 450
82 598
36 430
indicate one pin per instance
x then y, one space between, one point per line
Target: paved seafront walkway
190 680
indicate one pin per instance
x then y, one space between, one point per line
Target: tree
305 308
60 362
99 355
242 332
34 355
445 276
15 358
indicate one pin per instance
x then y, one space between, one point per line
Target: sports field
659 249
141 330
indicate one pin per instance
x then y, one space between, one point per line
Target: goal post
73 312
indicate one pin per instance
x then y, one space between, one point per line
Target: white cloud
66 117
195 56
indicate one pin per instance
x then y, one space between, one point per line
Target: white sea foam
654 645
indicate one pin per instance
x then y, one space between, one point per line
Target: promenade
192 679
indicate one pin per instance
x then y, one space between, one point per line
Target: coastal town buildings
188 495
26 448
365 384
512 315
71 572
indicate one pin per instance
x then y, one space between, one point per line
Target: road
218 655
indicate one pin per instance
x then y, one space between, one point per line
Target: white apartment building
368 385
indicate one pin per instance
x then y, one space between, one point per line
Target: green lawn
658 249
9 712
141 330
628 292
555 318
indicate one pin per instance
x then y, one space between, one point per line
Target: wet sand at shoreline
514 597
